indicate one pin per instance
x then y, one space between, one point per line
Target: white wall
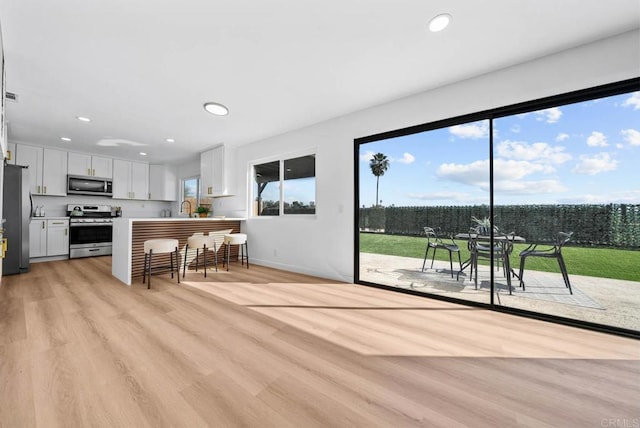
323 245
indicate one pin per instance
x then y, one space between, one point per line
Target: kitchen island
129 235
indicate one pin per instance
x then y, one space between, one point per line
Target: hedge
610 225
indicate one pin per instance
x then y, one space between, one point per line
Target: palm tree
379 164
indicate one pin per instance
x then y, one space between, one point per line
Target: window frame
198 191
587 94
281 194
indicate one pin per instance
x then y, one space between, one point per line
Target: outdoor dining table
487 238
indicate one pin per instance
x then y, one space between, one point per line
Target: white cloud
633 101
406 158
475 173
597 139
631 136
515 129
593 165
508 176
517 169
549 115
472 130
622 197
440 196
367 156
529 187
521 150
561 137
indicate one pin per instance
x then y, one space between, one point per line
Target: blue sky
586 152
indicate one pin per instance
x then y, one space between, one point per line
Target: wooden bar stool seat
160 246
236 239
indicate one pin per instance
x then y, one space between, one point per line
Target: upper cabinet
216 171
94 166
130 180
163 183
47 169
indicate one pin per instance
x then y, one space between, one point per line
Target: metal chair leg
144 268
177 264
184 265
204 256
149 270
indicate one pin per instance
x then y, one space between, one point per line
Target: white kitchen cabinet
163 183
54 172
216 171
47 169
32 157
102 167
11 153
37 238
94 166
130 180
206 172
57 237
48 237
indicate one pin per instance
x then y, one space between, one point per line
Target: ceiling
143 70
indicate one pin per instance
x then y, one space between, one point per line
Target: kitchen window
285 186
191 192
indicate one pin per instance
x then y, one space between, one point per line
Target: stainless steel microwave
81 185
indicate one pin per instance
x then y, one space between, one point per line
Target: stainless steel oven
90 230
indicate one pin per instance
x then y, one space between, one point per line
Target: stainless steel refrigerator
16 207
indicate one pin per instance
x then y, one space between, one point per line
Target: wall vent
11 96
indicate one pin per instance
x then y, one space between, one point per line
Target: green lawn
598 262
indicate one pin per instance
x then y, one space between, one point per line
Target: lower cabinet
48 237
38 238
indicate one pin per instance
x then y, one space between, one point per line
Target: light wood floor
264 348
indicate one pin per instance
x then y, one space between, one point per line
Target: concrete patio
598 300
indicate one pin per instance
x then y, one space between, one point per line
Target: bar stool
160 246
204 243
236 239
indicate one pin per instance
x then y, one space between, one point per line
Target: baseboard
298 269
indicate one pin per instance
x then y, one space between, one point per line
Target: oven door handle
90 224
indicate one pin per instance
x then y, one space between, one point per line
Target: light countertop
49 218
182 219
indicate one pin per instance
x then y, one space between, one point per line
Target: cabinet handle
38 189
43 224
57 222
45 189
149 195
88 171
94 172
8 154
65 231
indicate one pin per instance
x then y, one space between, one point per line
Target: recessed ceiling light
217 109
83 119
170 140
439 22
65 138
143 154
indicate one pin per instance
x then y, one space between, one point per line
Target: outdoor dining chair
435 242
499 253
554 252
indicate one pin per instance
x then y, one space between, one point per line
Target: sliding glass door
534 207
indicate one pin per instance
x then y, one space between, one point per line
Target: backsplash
56 206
